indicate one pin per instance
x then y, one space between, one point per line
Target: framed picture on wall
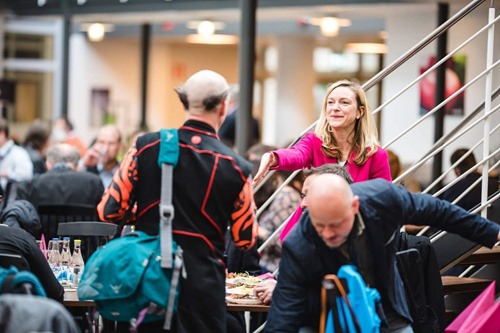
99 106
454 80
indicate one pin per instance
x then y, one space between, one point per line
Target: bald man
358 224
211 187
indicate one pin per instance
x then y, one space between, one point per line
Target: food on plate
242 279
240 289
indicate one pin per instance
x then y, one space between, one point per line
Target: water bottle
65 277
55 257
77 265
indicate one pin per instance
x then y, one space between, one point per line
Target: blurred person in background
473 197
35 143
102 157
396 170
15 164
227 131
63 132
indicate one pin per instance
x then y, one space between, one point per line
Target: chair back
92 233
53 214
16 260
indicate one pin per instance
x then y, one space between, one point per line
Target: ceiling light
329 25
377 48
41 3
212 39
205 27
96 31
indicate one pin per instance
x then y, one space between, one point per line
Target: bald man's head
203 91
332 208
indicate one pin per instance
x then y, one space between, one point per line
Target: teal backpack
136 277
13 281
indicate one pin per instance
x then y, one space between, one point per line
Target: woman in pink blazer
345 134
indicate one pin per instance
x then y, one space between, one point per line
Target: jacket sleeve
288 310
243 224
116 200
423 209
298 156
380 165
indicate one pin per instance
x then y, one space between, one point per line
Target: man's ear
355 204
223 111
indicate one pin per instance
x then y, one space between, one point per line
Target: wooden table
245 308
71 300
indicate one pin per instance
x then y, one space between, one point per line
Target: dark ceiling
79 7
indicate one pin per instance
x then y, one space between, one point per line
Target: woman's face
342 109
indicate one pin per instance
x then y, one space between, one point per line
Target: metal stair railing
386 71
463 127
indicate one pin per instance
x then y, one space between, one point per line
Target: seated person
473 197
19 222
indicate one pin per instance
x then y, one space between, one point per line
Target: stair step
455 284
483 256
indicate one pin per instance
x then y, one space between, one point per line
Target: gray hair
63 153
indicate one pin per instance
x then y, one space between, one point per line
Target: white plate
239 291
249 282
244 301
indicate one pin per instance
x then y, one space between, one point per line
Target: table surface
71 300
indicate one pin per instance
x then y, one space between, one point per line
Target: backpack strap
7 286
167 158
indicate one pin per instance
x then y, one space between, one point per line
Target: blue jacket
384 207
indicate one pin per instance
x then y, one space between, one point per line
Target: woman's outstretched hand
267 161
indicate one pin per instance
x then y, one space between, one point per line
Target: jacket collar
199 125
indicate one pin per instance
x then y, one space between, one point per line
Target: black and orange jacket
211 189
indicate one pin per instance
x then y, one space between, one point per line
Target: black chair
53 214
7 260
92 233
16 260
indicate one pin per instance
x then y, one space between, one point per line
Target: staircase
483 267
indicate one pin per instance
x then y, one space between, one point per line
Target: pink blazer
308 153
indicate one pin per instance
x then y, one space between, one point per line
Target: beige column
292 107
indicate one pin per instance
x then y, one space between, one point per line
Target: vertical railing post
442 41
487 105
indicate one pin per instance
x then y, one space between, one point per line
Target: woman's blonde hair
365 141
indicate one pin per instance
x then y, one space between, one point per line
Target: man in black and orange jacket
211 186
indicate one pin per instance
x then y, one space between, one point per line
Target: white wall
408 27
113 65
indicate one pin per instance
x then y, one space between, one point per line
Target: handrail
436 65
443 103
441 147
446 137
423 43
